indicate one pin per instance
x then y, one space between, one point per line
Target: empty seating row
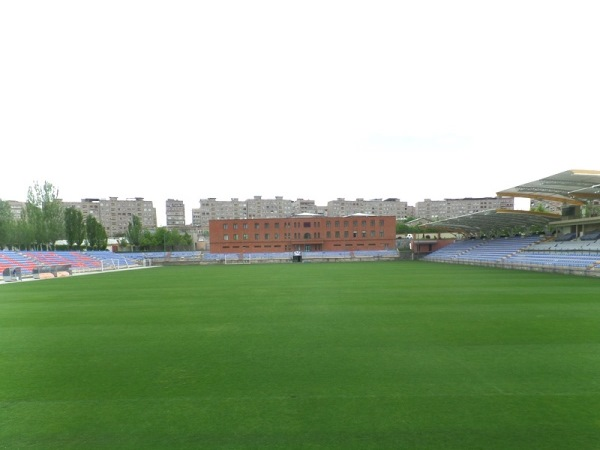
29 260
524 252
11 259
574 245
566 237
493 250
593 236
566 260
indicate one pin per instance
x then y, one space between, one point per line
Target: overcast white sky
302 99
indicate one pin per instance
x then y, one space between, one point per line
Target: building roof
573 186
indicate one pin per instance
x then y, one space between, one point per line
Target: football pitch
382 355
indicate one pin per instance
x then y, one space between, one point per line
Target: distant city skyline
519 203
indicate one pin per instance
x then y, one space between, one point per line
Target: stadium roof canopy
494 222
574 187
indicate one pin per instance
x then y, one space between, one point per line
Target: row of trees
44 220
162 239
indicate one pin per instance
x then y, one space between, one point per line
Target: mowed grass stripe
361 355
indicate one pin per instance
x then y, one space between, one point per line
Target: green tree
403 228
161 239
102 237
74 227
148 240
7 224
44 212
96 234
187 240
172 240
23 235
165 240
134 232
34 224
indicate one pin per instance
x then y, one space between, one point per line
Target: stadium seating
571 254
13 259
593 236
77 260
566 237
478 250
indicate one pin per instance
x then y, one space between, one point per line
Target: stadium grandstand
568 242
531 240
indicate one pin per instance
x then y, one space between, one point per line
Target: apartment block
388 207
175 211
256 207
448 208
16 208
115 215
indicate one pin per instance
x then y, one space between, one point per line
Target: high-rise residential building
259 207
256 207
448 208
175 211
378 207
115 215
16 208
211 209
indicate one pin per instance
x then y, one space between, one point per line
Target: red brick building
303 233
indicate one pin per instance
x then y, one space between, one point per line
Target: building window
256 237
337 223
306 235
346 233
266 236
225 237
225 226
245 236
256 225
328 234
235 237
245 226
364 234
276 235
337 234
381 234
235 226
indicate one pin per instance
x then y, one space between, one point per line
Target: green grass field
391 355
